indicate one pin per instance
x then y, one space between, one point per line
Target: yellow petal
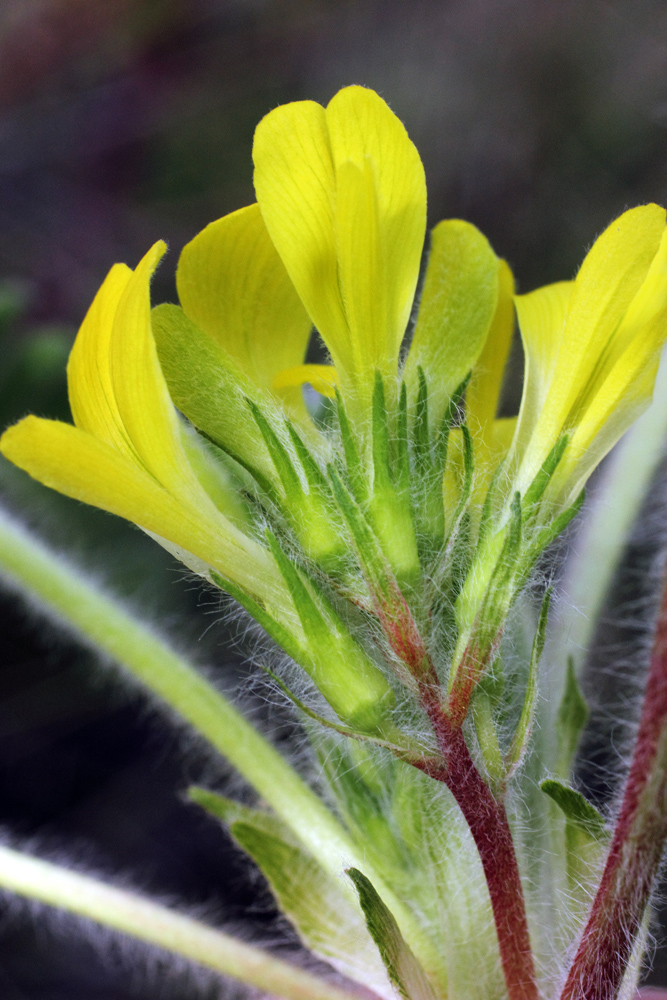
343 196
365 133
73 462
91 393
323 378
234 286
542 316
483 392
144 406
624 386
457 307
572 347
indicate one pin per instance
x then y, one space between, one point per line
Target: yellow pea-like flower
592 350
343 196
126 452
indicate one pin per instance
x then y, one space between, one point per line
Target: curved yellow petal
542 315
457 307
624 386
91 392
483 392
75 463
343 196
591 349
233 285
323 378
145 409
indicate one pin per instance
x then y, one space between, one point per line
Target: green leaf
404 970
523 730
573 713
577 810
314 902
209 388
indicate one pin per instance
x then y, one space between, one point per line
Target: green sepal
459 556
577 810
402 446
280 457
525 725
427 478
315 903
499 594
356 473
371 557
539 484
573 714
421 444
453 412
486 517
314 476
349 680
390 508
404 970
309 514
550 532
280 635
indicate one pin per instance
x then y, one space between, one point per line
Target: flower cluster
405 495
380 524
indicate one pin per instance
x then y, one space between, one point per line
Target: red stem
490 830
639 838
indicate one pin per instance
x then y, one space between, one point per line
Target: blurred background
125 121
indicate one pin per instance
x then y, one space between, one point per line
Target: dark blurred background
131 120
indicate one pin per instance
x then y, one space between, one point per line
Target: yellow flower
341 191
592 348
127 452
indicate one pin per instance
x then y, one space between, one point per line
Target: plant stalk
615 919
68 596
487 819
132 914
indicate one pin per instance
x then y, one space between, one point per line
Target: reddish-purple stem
637 846
490 830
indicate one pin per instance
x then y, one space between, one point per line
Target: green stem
124 911
66 594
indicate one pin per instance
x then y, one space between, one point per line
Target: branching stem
606 945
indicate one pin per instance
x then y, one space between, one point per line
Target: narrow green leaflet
523 730
404 970
585 838
312 900
577 810
572 717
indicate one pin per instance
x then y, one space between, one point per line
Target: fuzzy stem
487 820
141 918
605 948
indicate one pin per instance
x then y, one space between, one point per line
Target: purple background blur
123 122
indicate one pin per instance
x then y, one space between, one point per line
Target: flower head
410 499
